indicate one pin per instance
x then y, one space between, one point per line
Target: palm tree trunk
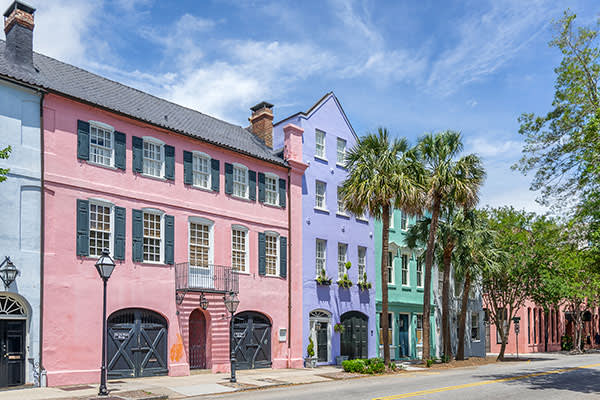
446 339
435 214
383 321
460 353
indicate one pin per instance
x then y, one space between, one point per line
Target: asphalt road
550 376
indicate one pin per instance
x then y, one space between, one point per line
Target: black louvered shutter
282 256
83 227
169 239
261 187
137 146
120 150
262 266
214 175
188 174
137 235
252 185
119 252
282 192
83 140
228 178
169 162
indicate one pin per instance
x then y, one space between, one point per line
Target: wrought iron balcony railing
208 278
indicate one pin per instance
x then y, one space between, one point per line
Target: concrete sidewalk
164 387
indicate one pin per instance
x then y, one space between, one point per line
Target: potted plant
363 284
310 361
323 279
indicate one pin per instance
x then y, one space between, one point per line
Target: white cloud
493 148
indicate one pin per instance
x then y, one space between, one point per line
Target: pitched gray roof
66 79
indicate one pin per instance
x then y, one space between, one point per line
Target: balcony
209 278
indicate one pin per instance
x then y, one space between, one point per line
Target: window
342 259
320 144
240 181
362 262
199 244
239 248
152 236
419 273
475 327
271 254
403 221
153 158
405 270
390 332
390 267
101 145
320 188
341 152
340 203
201 170
100 228
419 332
391 218
271 192
320 256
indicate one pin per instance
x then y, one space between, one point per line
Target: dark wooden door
252 340
197 340
354 338
12 355
136 344
322 342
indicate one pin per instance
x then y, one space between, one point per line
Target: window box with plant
323 279
339 328
310 361
363 284
344 281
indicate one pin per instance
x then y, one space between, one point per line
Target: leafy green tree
382 173
4 154
448 180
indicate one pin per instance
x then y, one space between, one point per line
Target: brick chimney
262 122
18 27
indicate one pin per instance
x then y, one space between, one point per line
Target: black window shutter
83 140
252 185
137 235
282 256
262 267
119 252
188 175
83 227
282 192
120 150
228 178
169 239
169 162
261 187
214 175
137 146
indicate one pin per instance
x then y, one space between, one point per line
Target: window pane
101 146
362 262
152 237
341 259
152 159
240 182
404 269
341 208
271 192
100 232
201 171
341 151
238 250
199 245
320 144
320 256
390 268
271 254
320 194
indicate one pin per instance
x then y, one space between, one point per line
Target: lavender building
331 238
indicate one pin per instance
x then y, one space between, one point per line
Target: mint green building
405 291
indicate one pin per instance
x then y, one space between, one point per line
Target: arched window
11 308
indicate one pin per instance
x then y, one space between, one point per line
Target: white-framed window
342 249
101 144
475 327
340 203
362 261
419 273
153 236
341 152
403 221
201 170
200 243
271 192
271 254
101 227
154 164
391 218
320 197
320 256
240 181
405 270
239 248
320 144
390 267
390 332
363 216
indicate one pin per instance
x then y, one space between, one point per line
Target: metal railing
209 278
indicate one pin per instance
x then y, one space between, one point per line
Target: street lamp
9 273
105 266
203 302
231 303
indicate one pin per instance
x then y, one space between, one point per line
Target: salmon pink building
190 207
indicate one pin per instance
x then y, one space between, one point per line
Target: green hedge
364 366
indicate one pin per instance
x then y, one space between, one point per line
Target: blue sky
411 66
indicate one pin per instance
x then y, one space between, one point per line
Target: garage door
252 340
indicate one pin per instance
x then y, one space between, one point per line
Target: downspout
289 271
42 373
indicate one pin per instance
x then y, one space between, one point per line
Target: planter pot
340 359
310 362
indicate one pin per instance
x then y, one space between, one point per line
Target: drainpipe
289 271
42 373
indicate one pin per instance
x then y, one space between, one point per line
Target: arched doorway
197 340
13 316
320 331
252 340
354 338
136 343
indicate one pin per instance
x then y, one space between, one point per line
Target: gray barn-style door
252 340
136 344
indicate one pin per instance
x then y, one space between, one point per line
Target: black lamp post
105 266
203 302
231 303
8 272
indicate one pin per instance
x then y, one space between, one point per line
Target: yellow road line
481 383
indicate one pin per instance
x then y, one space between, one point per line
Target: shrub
566 343
430 362
368 366
310 349
375 366
445 359
357 366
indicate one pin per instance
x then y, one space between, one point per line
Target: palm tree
382 174
448 181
